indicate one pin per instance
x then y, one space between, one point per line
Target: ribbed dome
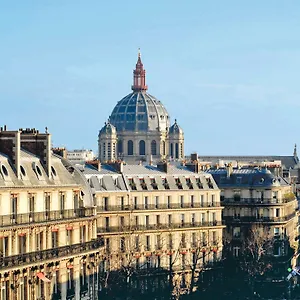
175 129
139 111
108 129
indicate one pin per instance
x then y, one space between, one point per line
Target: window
164 147
106 223
54 239
236 251
236 232
277 212
120 147
171 150
147 221
4 246
4 170
147 242
176 151
169 201
182 219
170 220
153 148
193 219
22 243
192 200
158 220
122 244
62 202
201 200
69 236
146 202
194 243
130 147
156 201
142 147
14 205
276 231
181 201
23 172
137 243
135 202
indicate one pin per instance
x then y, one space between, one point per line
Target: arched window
120 147
130 147
172 150
153 148
176 151
164 148
181 150
142 147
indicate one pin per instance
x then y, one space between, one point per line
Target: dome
139 111
108 129
175 129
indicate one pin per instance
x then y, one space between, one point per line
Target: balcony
257 219
257 201
153 227
112 208
49 254
46 216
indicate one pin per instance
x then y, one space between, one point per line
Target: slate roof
288 161
247 178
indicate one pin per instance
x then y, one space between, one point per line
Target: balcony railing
256 201
156 206
49 254
46 216
128 228
250 219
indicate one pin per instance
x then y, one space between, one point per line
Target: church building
139 127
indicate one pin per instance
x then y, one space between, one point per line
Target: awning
42 276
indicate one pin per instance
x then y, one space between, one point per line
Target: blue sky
227 70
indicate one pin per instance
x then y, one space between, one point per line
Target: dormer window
199 183
4 170
209 183
154 184
132 184
165 183
143 184
189 183
178 183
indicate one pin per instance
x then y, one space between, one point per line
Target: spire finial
295 150
139 75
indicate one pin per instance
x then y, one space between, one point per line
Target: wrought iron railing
128 228
237 219
46 216
256 201
49 254
156 206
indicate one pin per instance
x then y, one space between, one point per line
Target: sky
228 71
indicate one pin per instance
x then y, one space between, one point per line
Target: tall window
47 203
153 148
14 206
62 202
172 150
31 204
176 150
142 147
120 147
130 147
164 148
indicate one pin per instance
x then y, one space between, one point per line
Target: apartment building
255 197
157 218
48 229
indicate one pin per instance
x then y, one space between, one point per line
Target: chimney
117 165
163 166
194 156
229 170
61 152
10 145
38 144
95 163
194 166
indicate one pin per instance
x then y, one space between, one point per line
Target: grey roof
246 177
287 161
175 129
140 111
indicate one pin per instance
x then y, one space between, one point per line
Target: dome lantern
139 76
